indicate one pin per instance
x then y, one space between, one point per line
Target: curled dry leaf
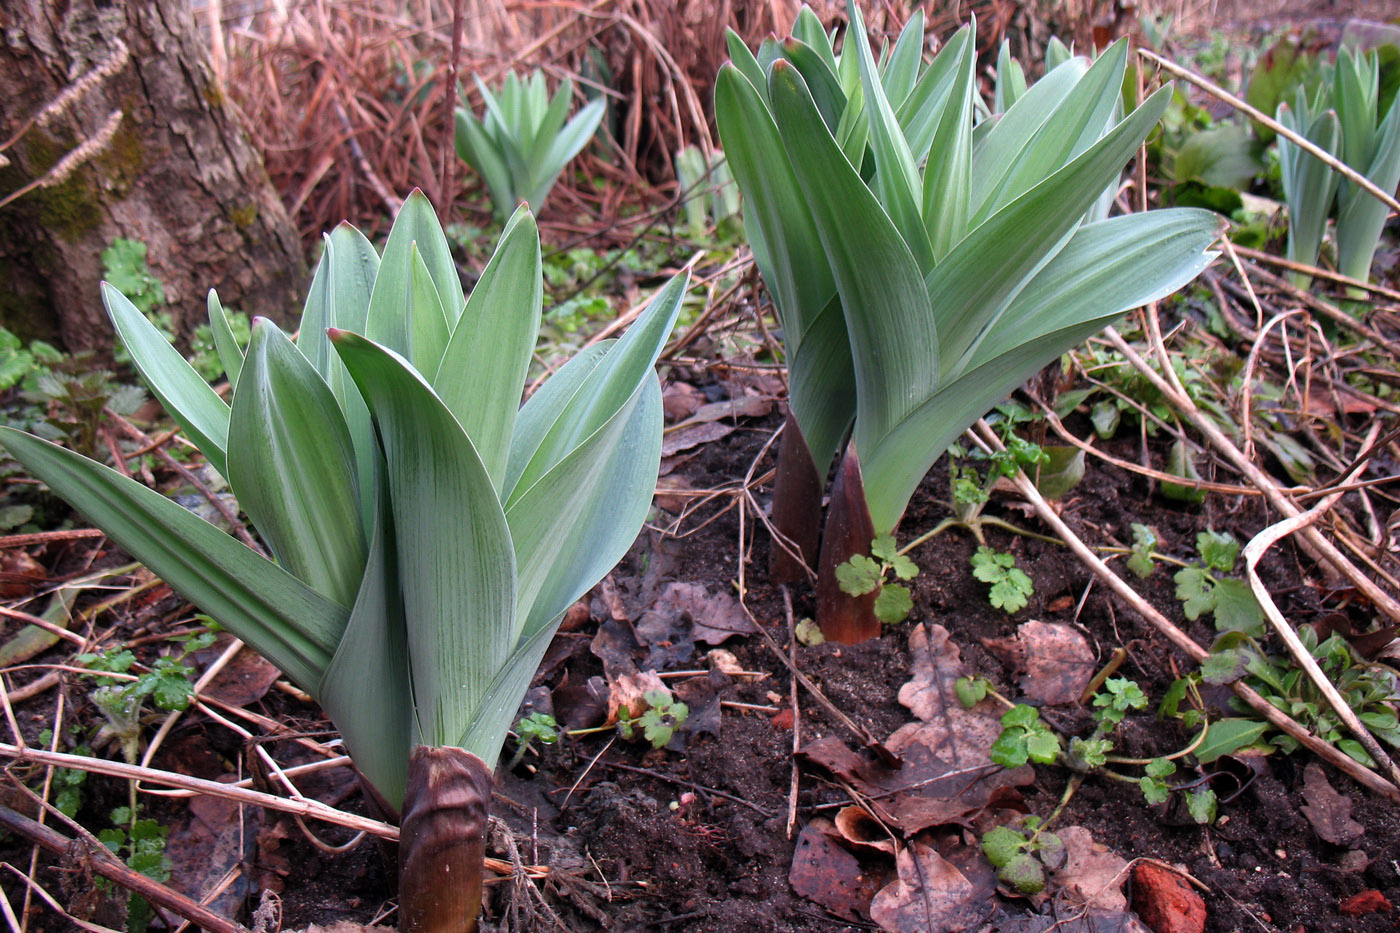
1328 811
627 694
862 830
1055 660
1093 874
932 896
826 873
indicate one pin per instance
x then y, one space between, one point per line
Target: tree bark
167 163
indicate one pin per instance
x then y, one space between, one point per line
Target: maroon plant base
797 508
442 840
849 530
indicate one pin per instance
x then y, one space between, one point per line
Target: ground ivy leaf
1001 844
1225 667
1154 790
1043 747
970 691
1023 873
885 548
1008 595
904 568
1195 589
859 575
1218 550
1009 749
1202 805
1161 767
1236 609
894 604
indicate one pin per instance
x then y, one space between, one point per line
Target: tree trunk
143 146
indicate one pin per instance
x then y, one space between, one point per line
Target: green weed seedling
1011 588
140 843
1026 738
536 727
663 716
1021 856
1371 689
864 574
1205 589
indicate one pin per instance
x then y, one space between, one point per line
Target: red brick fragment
1367 902
1165 901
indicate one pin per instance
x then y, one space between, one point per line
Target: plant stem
442 842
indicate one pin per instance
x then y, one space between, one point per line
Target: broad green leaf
366 689
1309 185
1011 80
896 177
1227 736
901 71
1077 121
541 410
777 220
922 109
230 353
186 396
453 549
999 148
282 618
476 147
567 144
1106 268
339 297
893 340
389 320
744 61
822 384
1362 216
578 520
495 711
608 386
1026 232
488 355
831 99
945 202
807 28
427 318
293 467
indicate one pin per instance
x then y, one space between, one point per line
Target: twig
693 786
1313 540
1316 272
1263 708
312 808
100 860
1214 90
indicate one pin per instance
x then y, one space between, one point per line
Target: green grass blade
456 560
292 466
225 344
922 110
483 370
282 618
184 393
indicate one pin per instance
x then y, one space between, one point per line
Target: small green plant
1021 856
711 199
658 722
20 364
124 268
140 843
1371 689
1205 589
521 143
1011 587
869 574
428 530
536 727
1024 737
166 683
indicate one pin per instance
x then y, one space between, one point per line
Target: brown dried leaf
1093 873
862 830
931 896
1055 660
688 611
827 874
627 694
688 435
1328 811
244 680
